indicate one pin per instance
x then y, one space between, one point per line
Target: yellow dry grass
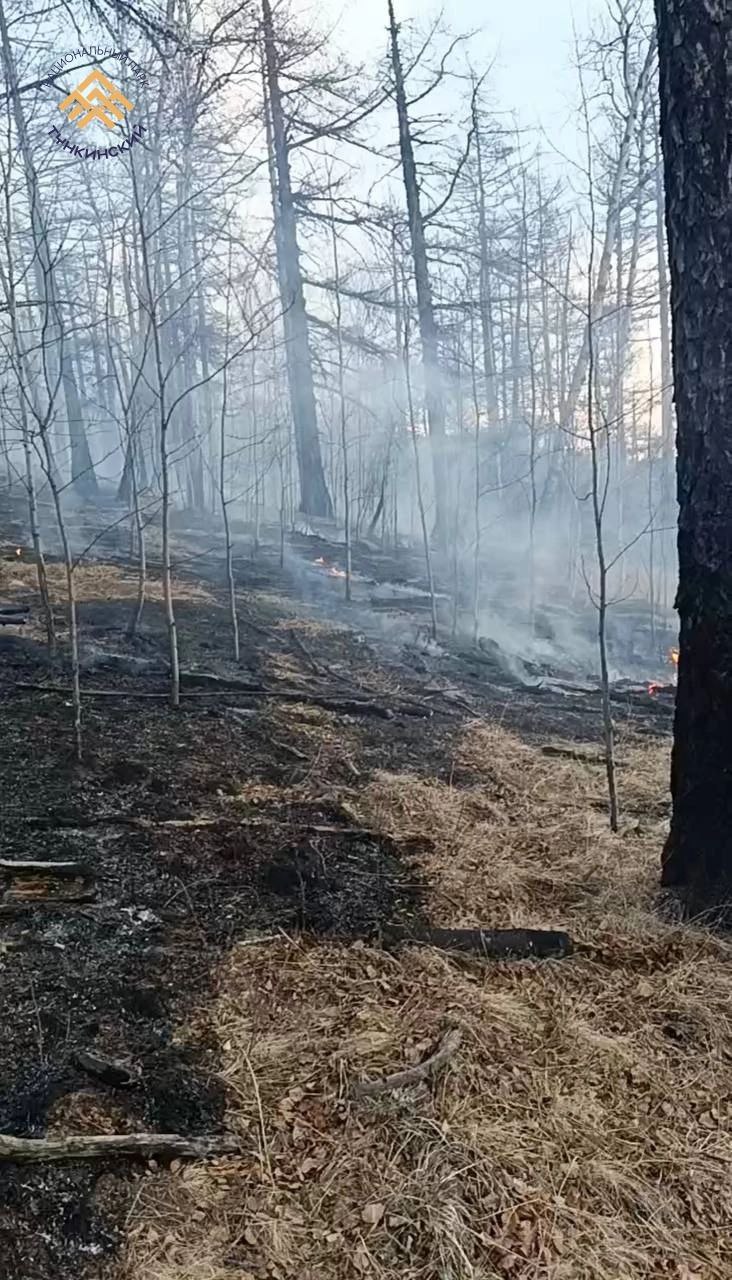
581 1132
93 582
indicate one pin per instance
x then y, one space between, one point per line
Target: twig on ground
446 1049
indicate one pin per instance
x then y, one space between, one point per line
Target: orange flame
673 657
332 570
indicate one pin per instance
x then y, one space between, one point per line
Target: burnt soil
118 976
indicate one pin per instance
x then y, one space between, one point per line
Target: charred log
144 1145
494 944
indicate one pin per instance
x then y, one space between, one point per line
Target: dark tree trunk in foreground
695 37
314 496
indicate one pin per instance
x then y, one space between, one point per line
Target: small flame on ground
673 657
654 687
332 570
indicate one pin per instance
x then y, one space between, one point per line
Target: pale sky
531 43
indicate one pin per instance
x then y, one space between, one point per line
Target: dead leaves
372 1214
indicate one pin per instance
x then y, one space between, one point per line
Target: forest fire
654 686
331 569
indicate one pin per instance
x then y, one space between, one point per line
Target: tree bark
695 37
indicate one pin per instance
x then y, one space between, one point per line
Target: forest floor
232 957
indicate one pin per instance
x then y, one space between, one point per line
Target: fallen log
53 870
40 882
41 1150
446 1049
84 822
494 944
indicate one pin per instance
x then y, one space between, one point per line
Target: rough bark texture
695 55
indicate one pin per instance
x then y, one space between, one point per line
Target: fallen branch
84 822
345 706
305 653
40 1150
496 944
209 679
582 754
446 1049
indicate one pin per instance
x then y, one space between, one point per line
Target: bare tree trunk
486 319
417 467
48 468
694 38
342 401
164 425
314 496
231 583
600 485
476 483
434 395
136 615
664 312
40 560
548 409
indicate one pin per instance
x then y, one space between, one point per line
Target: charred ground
233 819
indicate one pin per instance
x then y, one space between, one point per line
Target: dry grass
582 1131
93 582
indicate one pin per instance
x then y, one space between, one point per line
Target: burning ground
249 859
